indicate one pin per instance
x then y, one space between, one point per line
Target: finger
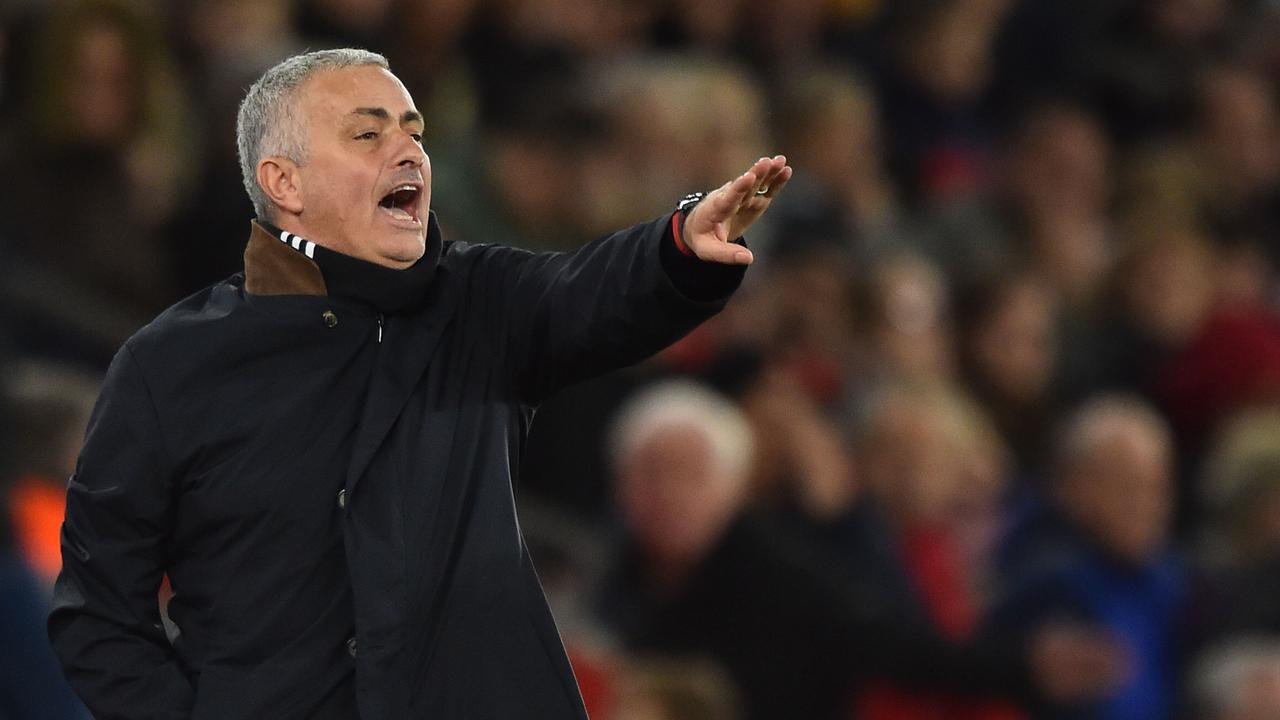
725 201
776 163
779 181
776 166
745 182
762 167
724 253
765 185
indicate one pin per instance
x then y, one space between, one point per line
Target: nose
409 153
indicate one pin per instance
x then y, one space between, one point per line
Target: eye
417 137
371 135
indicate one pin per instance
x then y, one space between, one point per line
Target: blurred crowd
992 429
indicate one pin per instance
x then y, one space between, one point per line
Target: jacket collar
277 262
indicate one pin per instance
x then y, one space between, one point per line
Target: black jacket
320 456
796 637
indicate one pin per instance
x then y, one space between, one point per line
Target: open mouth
402 203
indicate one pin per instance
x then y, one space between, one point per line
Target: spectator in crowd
103 100
1241 486
1239 681
1099 551
934 85
1008 348
1170 299
908 328
698 575
1057 179
803 469
933 476
1144 66
831 122
650 142
803 321
1046 208
1235 134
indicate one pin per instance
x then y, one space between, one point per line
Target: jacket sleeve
105 623
611 303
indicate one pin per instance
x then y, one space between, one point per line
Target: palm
726 213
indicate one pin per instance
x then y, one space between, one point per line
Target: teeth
399 214
405 187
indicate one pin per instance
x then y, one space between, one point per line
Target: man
319 452
801 631
1099 550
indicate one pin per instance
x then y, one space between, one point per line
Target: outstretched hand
726 213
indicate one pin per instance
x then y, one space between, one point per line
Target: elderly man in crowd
701 572
1101 552
318 453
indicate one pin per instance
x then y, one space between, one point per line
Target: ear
280 179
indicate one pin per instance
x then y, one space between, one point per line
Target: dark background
1002 211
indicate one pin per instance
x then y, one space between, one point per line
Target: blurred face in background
949 53
1238 131
1119 489
910 467
1057 177
911 335
1059 164
676 496
102 91
657 140
362 143
1259 697
1169 286
835 137
933 462
1014 346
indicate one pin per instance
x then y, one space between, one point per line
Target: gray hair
684 402
267 124
1221 679
1101 418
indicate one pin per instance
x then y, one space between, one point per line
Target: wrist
680 219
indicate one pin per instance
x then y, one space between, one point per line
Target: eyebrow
382 114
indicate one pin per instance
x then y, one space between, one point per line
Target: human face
1122 493
101 87
364 187
676 497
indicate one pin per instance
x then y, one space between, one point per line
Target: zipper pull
379 327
